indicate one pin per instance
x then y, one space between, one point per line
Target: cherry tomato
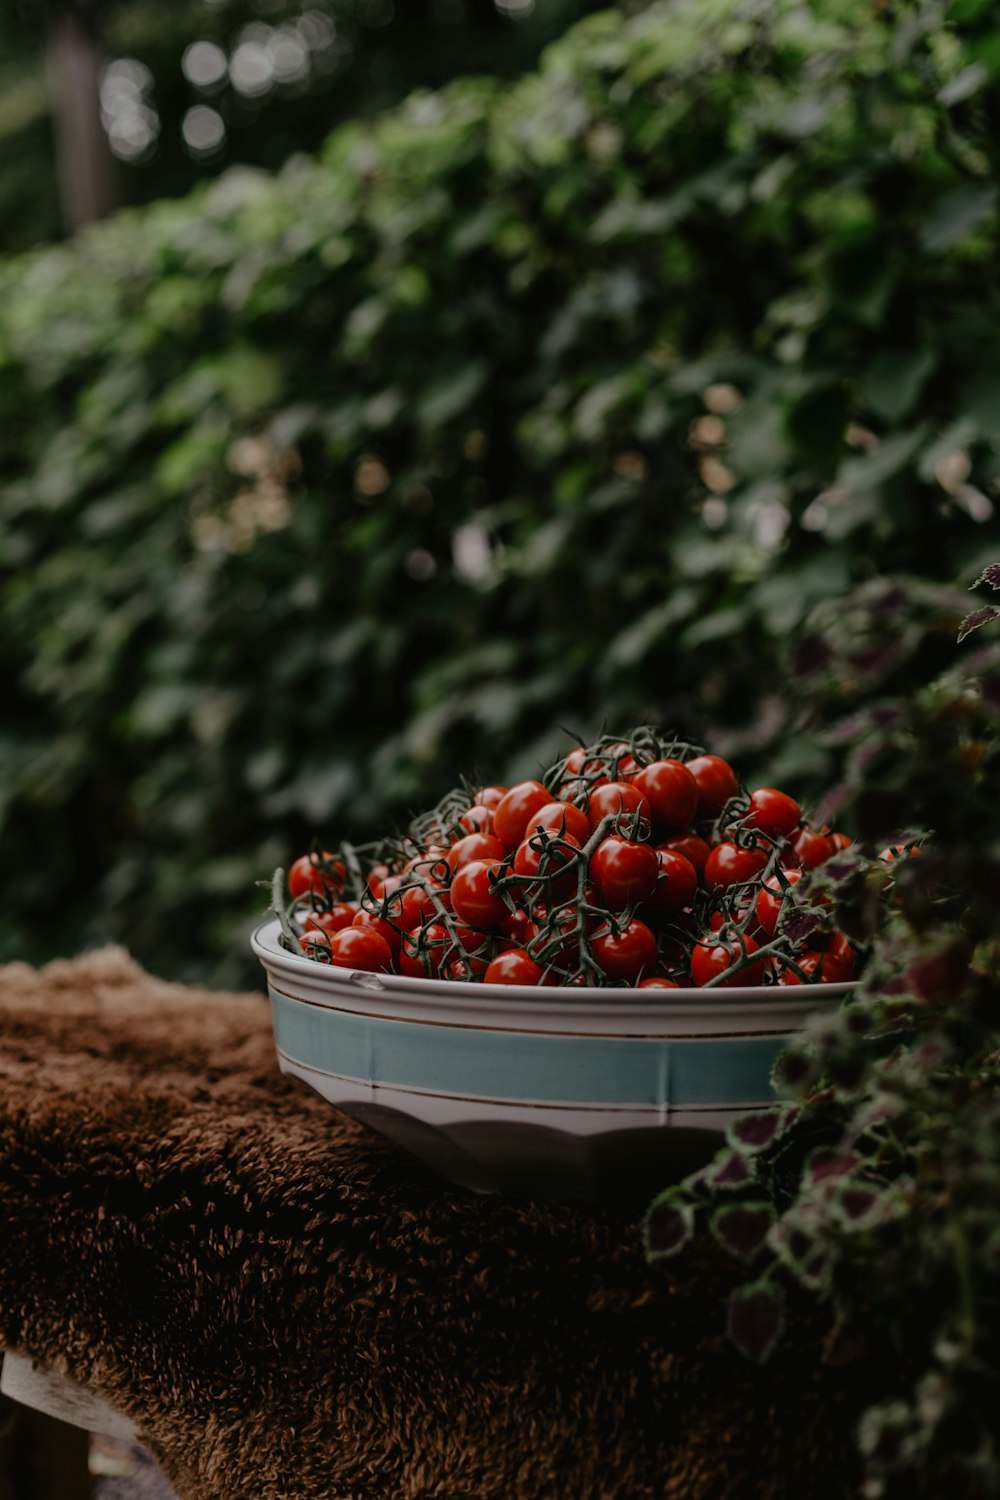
475 846
472 898
476 819
773 812
615 798
728 864
532 858
713 955
839 841
671 791
511 814
316 872
559 819
770 899
385 930
691 846
376 879
820 968
513 967
491 796
410 905
810 848
316 944
519 928
625 872
339 915
675 888
658 982
716 781
626 955
360 948
623 762
421 951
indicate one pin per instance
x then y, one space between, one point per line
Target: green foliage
883 1176
560 401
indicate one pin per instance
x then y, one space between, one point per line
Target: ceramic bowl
596 1094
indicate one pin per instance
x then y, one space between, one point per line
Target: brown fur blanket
292 1309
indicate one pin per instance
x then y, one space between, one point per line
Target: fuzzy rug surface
292 1309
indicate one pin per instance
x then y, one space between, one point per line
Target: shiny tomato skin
385 930
473 900
361 948
770 899
475 846
315 943
773 812
628 955
559 819
316 872
713 955
624 871
410 905
810 848
340 914
670 790
551 864
515 966
821 968
689 844
839 842
716 781
519 928
476 819
422 951
511 814
728 864
615 798
676 884
657 982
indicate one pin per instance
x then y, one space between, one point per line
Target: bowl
602 1095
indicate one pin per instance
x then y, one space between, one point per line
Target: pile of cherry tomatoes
632 862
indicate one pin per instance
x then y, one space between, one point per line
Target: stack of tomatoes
632 862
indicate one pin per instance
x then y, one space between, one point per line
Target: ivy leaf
757 1319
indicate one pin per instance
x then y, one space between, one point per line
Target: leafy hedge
554 402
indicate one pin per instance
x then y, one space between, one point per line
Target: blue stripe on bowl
526 1066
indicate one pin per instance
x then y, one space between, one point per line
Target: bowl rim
608 1000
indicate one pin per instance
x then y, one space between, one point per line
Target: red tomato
531 859
671 791
472 898
475 846
491 796
770 898
316 944
810 848
376 879
627 955
615 798
316 872
519 928
819 968
339 915
513 967
559 819
385 930
716 783
691 846
773 812
623 762
658 982
728 864
839 841
676 885
713 955
511 814
625 872
476 819
422 950
410 905
360 948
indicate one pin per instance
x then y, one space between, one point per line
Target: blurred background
447 379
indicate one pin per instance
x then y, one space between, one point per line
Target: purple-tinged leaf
755 1131
990 575
742 1228
977 618
669 1226
731 1170
829 1161
757 1319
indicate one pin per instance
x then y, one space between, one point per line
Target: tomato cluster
633 862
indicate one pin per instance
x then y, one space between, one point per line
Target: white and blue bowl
598 1094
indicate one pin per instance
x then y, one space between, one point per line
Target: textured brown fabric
290 1307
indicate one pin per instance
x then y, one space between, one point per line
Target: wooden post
86 186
